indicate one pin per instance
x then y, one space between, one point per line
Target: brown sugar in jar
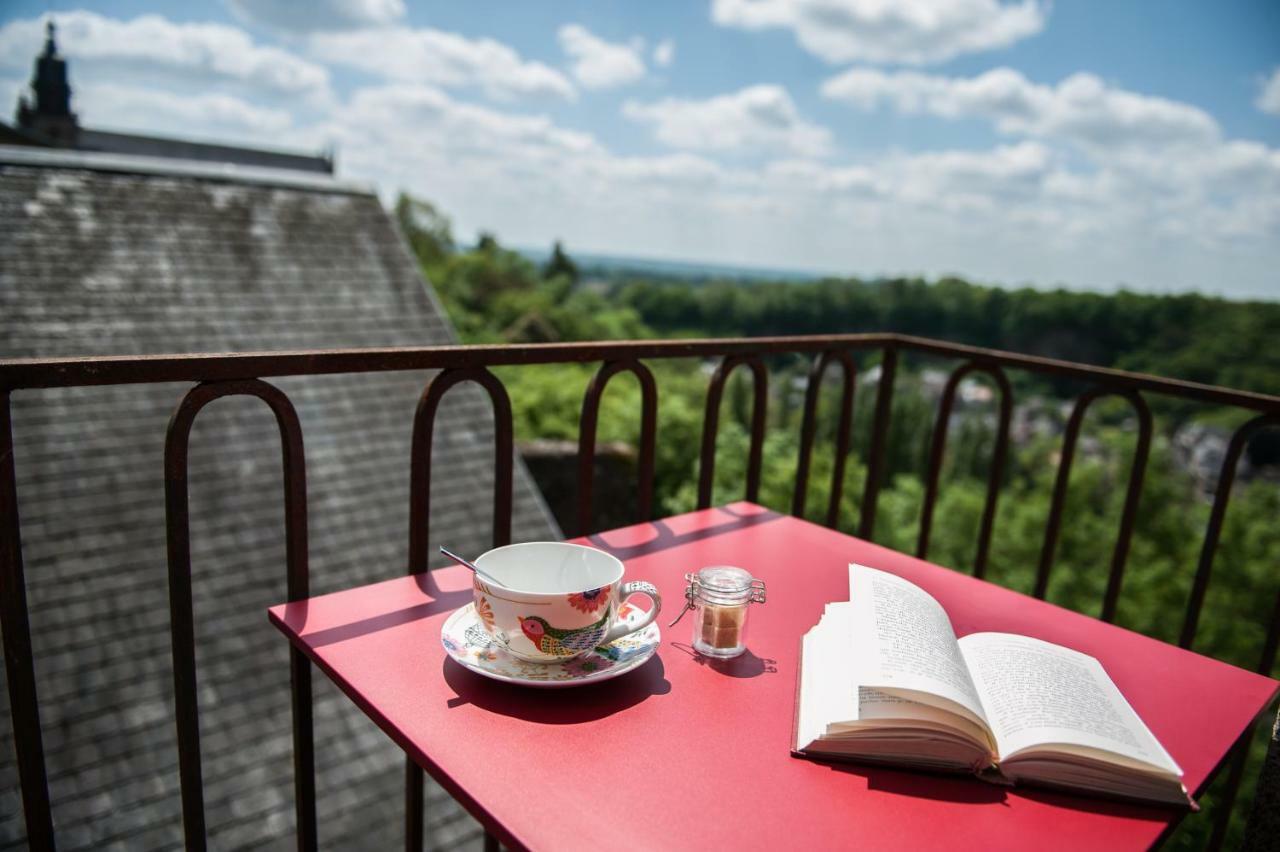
719 595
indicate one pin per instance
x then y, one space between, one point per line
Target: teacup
554 601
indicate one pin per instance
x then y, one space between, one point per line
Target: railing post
24 708
998 453
1200 585
809 427
1226 477
711 422
879 443
181 611
1129 513
587 439
424 420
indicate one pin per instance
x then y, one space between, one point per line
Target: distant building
44 119
121 255
106 252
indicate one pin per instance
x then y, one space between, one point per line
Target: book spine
795 714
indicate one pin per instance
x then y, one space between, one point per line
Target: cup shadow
745 665
566 706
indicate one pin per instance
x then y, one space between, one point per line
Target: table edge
487 821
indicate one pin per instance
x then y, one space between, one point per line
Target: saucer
465 639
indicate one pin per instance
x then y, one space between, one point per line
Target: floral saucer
465 639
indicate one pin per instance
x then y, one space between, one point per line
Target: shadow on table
1099 805
939 786
745 665
964 789
295 614
549 706
664 537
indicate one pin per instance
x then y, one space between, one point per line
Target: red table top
678 754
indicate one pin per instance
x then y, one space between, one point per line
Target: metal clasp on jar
752 593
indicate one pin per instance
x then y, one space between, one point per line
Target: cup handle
622 628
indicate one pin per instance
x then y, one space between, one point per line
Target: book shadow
1078 801
963 789
568 706
938 786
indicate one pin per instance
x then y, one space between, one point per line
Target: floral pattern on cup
485 612
488 654
465 640
588 665
592 600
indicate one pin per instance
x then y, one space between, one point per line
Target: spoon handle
456 558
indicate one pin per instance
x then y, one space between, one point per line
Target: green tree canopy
560 265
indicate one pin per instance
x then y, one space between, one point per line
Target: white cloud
1081 109
757 117
318 15
1094 185
464 127
109 106
930 181
153 47
1151 166
435 57
460 142
1269 98
664 53
1004 173
914 32
600 64
515 174
1015 212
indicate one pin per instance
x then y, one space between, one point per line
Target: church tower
50 116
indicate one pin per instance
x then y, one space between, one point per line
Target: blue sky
1084 144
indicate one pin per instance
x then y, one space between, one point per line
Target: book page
827 692
1038 693
901 638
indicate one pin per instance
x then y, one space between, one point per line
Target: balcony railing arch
217 375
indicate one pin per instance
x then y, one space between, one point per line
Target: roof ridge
19 155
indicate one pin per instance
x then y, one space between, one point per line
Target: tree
429 232
560 264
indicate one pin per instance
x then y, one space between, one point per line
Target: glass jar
719 596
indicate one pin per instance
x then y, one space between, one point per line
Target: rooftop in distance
46 120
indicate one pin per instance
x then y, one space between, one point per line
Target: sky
1084 144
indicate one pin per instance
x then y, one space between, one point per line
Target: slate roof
122 256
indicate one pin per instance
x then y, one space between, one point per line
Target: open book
884 679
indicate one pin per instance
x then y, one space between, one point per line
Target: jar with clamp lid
719 597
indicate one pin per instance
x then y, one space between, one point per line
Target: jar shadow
744 665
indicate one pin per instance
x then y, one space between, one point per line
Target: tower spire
50 115
50 46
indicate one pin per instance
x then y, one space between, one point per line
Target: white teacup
555 601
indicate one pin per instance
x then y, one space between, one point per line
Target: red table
680 754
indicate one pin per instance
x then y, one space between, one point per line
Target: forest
494 294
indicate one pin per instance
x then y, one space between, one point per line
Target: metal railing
221 375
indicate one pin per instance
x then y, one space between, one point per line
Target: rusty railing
215 376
